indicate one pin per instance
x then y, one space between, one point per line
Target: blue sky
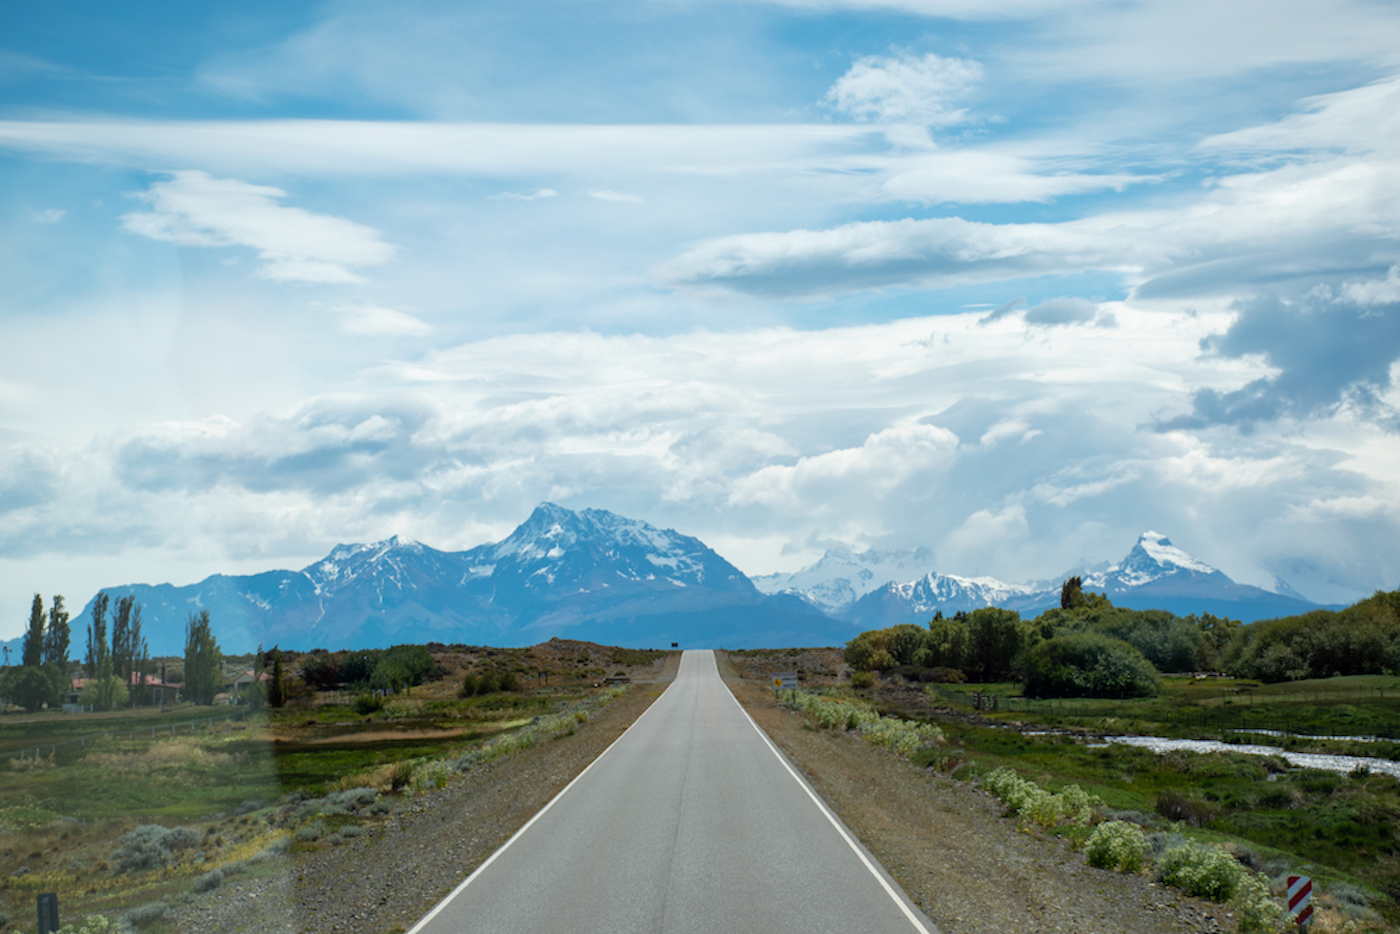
1012 281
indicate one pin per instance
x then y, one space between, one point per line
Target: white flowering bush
1117 845
1035 804
1258 910
92 924
905 737
1200 870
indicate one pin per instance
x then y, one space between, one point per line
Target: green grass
1335 827
1357 705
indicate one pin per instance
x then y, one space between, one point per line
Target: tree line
1087 647
117 666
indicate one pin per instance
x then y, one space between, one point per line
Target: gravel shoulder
389 877
947 844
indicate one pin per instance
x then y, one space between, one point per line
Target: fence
81 742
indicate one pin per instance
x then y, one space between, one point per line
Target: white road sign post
785 681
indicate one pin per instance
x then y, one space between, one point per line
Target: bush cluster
903 736
1117 845
1036 805
151 846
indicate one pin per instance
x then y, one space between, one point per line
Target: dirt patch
969 868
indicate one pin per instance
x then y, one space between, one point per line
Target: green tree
994 637
276 689
202 659
130 654
945 644
32 653
28 686
1072 593
99 655
104 693
58 636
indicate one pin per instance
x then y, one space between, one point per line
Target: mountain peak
1160 550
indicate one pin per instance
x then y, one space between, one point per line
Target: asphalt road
691 823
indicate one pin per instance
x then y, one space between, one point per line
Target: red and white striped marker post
1300 899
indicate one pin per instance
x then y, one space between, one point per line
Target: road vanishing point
692 822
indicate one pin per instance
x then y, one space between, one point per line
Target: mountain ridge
595 575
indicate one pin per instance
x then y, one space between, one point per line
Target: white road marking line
831 818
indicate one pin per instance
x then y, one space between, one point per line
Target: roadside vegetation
1022 707
127 812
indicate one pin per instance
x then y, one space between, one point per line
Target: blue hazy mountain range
1155 574
589 575
597 576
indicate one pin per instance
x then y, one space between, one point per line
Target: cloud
373 321
905 89
536 195
1326 351
604 194
928 431
50 216
192 208
321 148
992 175
1299 222
1368 292
1061 311
1357 120
913 253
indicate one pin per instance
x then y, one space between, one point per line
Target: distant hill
589 575
1155 574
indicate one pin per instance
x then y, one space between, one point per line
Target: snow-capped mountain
1155 574
841 577
589 575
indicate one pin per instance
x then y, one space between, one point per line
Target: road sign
1300 898
785 681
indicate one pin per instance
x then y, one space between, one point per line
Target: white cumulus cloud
905 89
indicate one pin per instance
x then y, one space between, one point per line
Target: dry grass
182 754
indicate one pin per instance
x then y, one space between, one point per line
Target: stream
1307 760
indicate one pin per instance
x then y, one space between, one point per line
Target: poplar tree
201 659
32 654
58 636
99 655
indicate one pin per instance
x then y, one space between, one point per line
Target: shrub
400 776
1175 806
143 914
210 881
1037 805
432 774
1088 665
151 846
92 924
862 679
1258 912
1200 870
367 704
311 832
1117 845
